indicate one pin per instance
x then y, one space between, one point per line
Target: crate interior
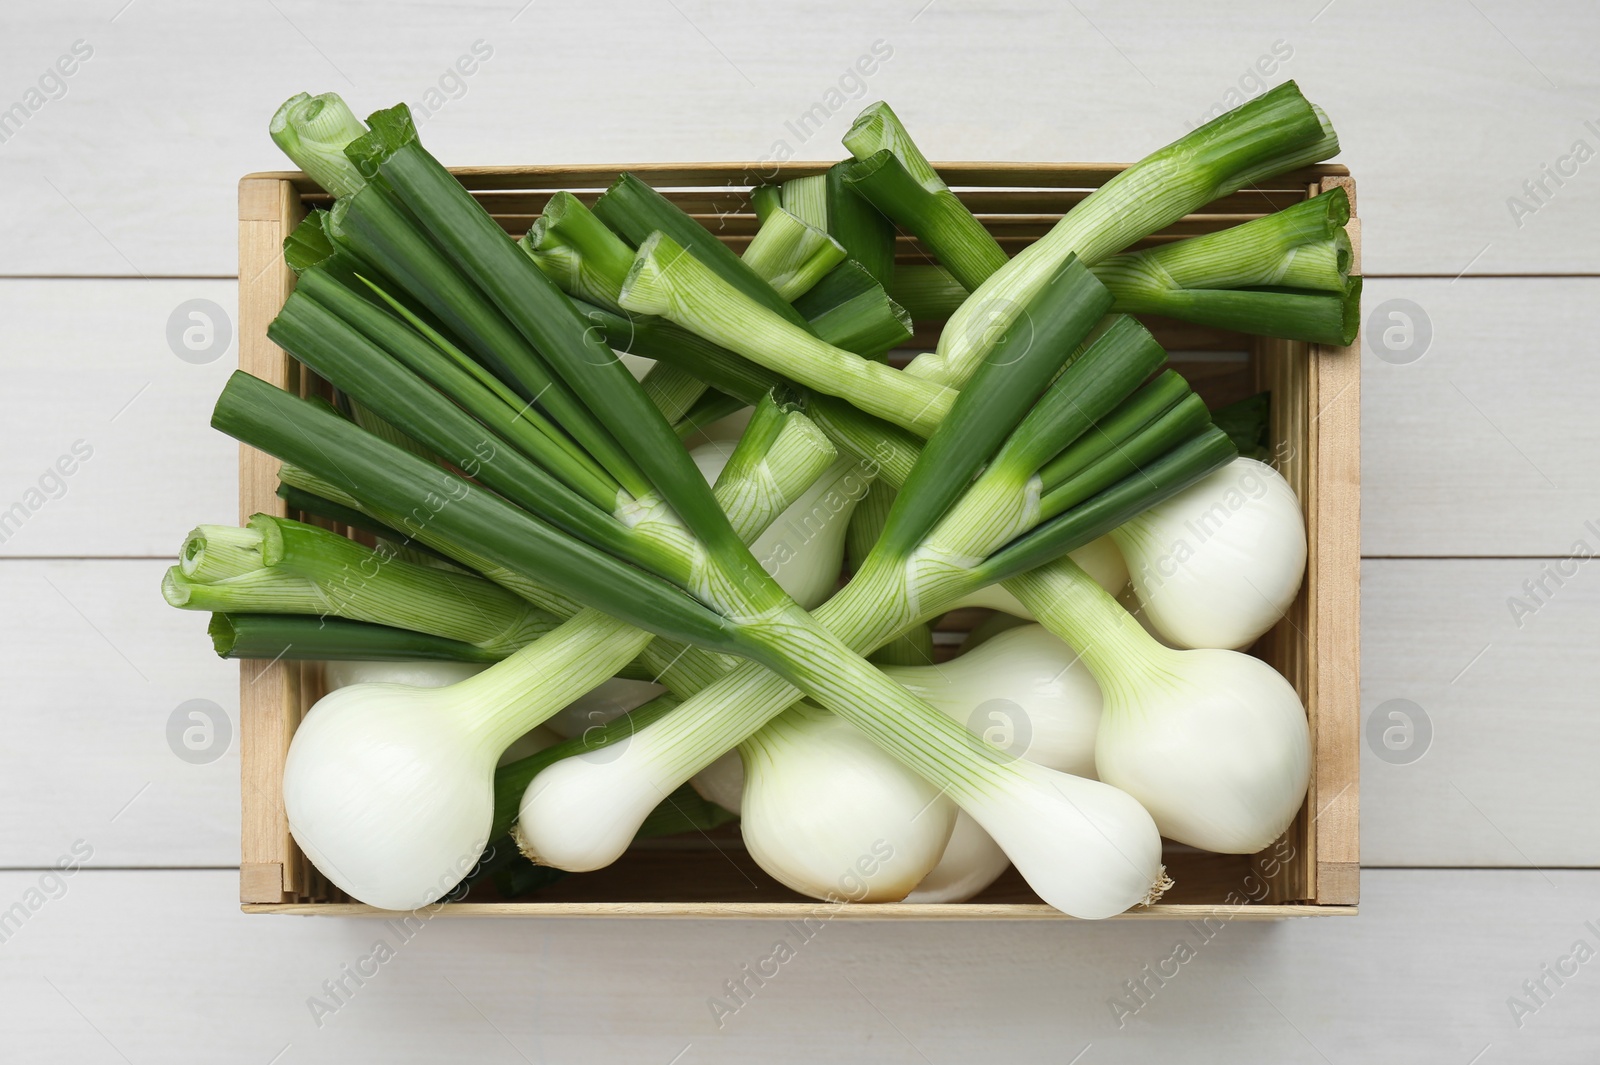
713 867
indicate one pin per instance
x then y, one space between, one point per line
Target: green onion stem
217 552
1184 421
850 309
667 282
307 570
935 215
672 389
790 255
635 210
865 233
1136 412
303 637
577 251
326 342
384 232
312 131
929 293
1277 131
323 320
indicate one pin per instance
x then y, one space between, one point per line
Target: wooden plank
1335 428
1483 444
90 183
270 693
1511 713
89 366
96 669
170 985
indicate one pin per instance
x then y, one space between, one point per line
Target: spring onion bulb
972 860
722 782
1219 563
1024 691
389 788
416 673
827 813
1213 743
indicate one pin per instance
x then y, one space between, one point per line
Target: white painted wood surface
1482 450
156 966
1445 108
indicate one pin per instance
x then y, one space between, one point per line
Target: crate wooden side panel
1336 433
1313 871
271 695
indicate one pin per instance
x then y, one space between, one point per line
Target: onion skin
829 814
1218 564
972 861
408 817
1221 757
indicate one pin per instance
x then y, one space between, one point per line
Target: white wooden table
1479 470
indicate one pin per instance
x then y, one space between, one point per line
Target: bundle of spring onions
535 541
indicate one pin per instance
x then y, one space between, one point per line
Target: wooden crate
1313 870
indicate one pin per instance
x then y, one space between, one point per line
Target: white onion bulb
972 860
829 814
1219 563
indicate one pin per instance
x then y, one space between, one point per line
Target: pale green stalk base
667 282
790 255
673 390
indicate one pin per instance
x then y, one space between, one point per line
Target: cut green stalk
893 175
659 339
926 207
307 570
313 130
324 341
549 321
324 321
1184 421
1286 275
1304 246
635 210
790 255
1313 317
309 503
666 281
577 251
1276 131
827 202
300 637
217 552
850 309
384 232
